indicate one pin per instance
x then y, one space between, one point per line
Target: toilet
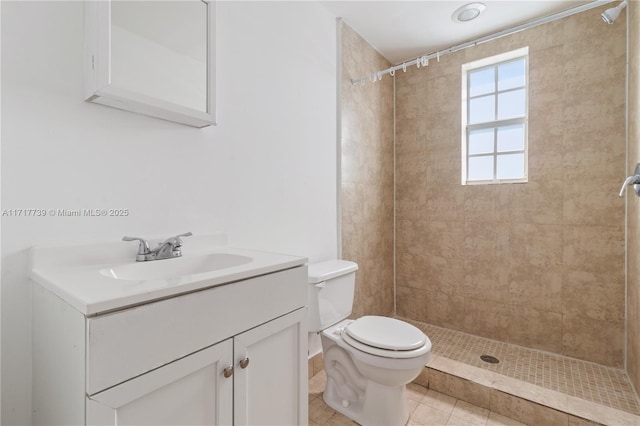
369 360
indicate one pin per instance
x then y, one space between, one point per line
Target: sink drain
490 359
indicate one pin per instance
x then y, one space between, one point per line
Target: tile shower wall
539 264
633 213
367 176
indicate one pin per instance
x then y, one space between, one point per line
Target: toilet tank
331 287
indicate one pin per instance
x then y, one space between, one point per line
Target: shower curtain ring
380 75
404 67
418 63
438 56
372 77
392 72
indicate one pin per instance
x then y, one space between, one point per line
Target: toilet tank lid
323 271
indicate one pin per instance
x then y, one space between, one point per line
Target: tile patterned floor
592 382
427 408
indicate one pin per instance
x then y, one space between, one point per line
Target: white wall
266 174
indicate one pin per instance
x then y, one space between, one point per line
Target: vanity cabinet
230 354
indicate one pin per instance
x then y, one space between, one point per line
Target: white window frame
491 62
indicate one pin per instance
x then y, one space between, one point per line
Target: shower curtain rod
424 60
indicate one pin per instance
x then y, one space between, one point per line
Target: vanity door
189 391
270 373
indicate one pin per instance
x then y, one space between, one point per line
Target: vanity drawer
127 343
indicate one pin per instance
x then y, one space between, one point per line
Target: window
494 119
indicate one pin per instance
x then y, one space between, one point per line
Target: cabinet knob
244 363
228 372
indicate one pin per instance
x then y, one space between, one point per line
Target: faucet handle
634 180
143 248
176 240
179 240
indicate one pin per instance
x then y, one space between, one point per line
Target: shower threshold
528 385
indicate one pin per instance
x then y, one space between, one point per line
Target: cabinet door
270 376
189 391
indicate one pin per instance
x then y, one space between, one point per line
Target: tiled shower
540 265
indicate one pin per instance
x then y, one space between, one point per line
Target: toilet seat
386 337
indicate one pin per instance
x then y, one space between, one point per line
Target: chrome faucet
168 249
634 180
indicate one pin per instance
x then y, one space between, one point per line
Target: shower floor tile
579 380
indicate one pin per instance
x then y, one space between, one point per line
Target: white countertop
73 272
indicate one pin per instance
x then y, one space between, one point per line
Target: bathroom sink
174 268
104 277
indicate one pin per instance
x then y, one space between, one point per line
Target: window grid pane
482 82
481 141
481 168
511 104
482 109
510 138
501 103
511 74
510 166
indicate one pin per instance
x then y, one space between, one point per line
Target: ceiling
403 30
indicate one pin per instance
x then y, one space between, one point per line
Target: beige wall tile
597 249
486 203
444 274
485 242
604 207
580 335
411 303
367 176
593 296
536 202
486 318
583 26
443 203
443 239
535 329
535 245
633 289
445 310
486 280
585 158
536 287
411 201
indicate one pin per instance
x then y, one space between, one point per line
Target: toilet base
381 405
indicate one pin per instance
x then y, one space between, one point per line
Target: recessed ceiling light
468 12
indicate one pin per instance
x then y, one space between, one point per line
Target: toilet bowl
368 361
367 383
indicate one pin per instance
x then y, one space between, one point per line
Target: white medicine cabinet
155 58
